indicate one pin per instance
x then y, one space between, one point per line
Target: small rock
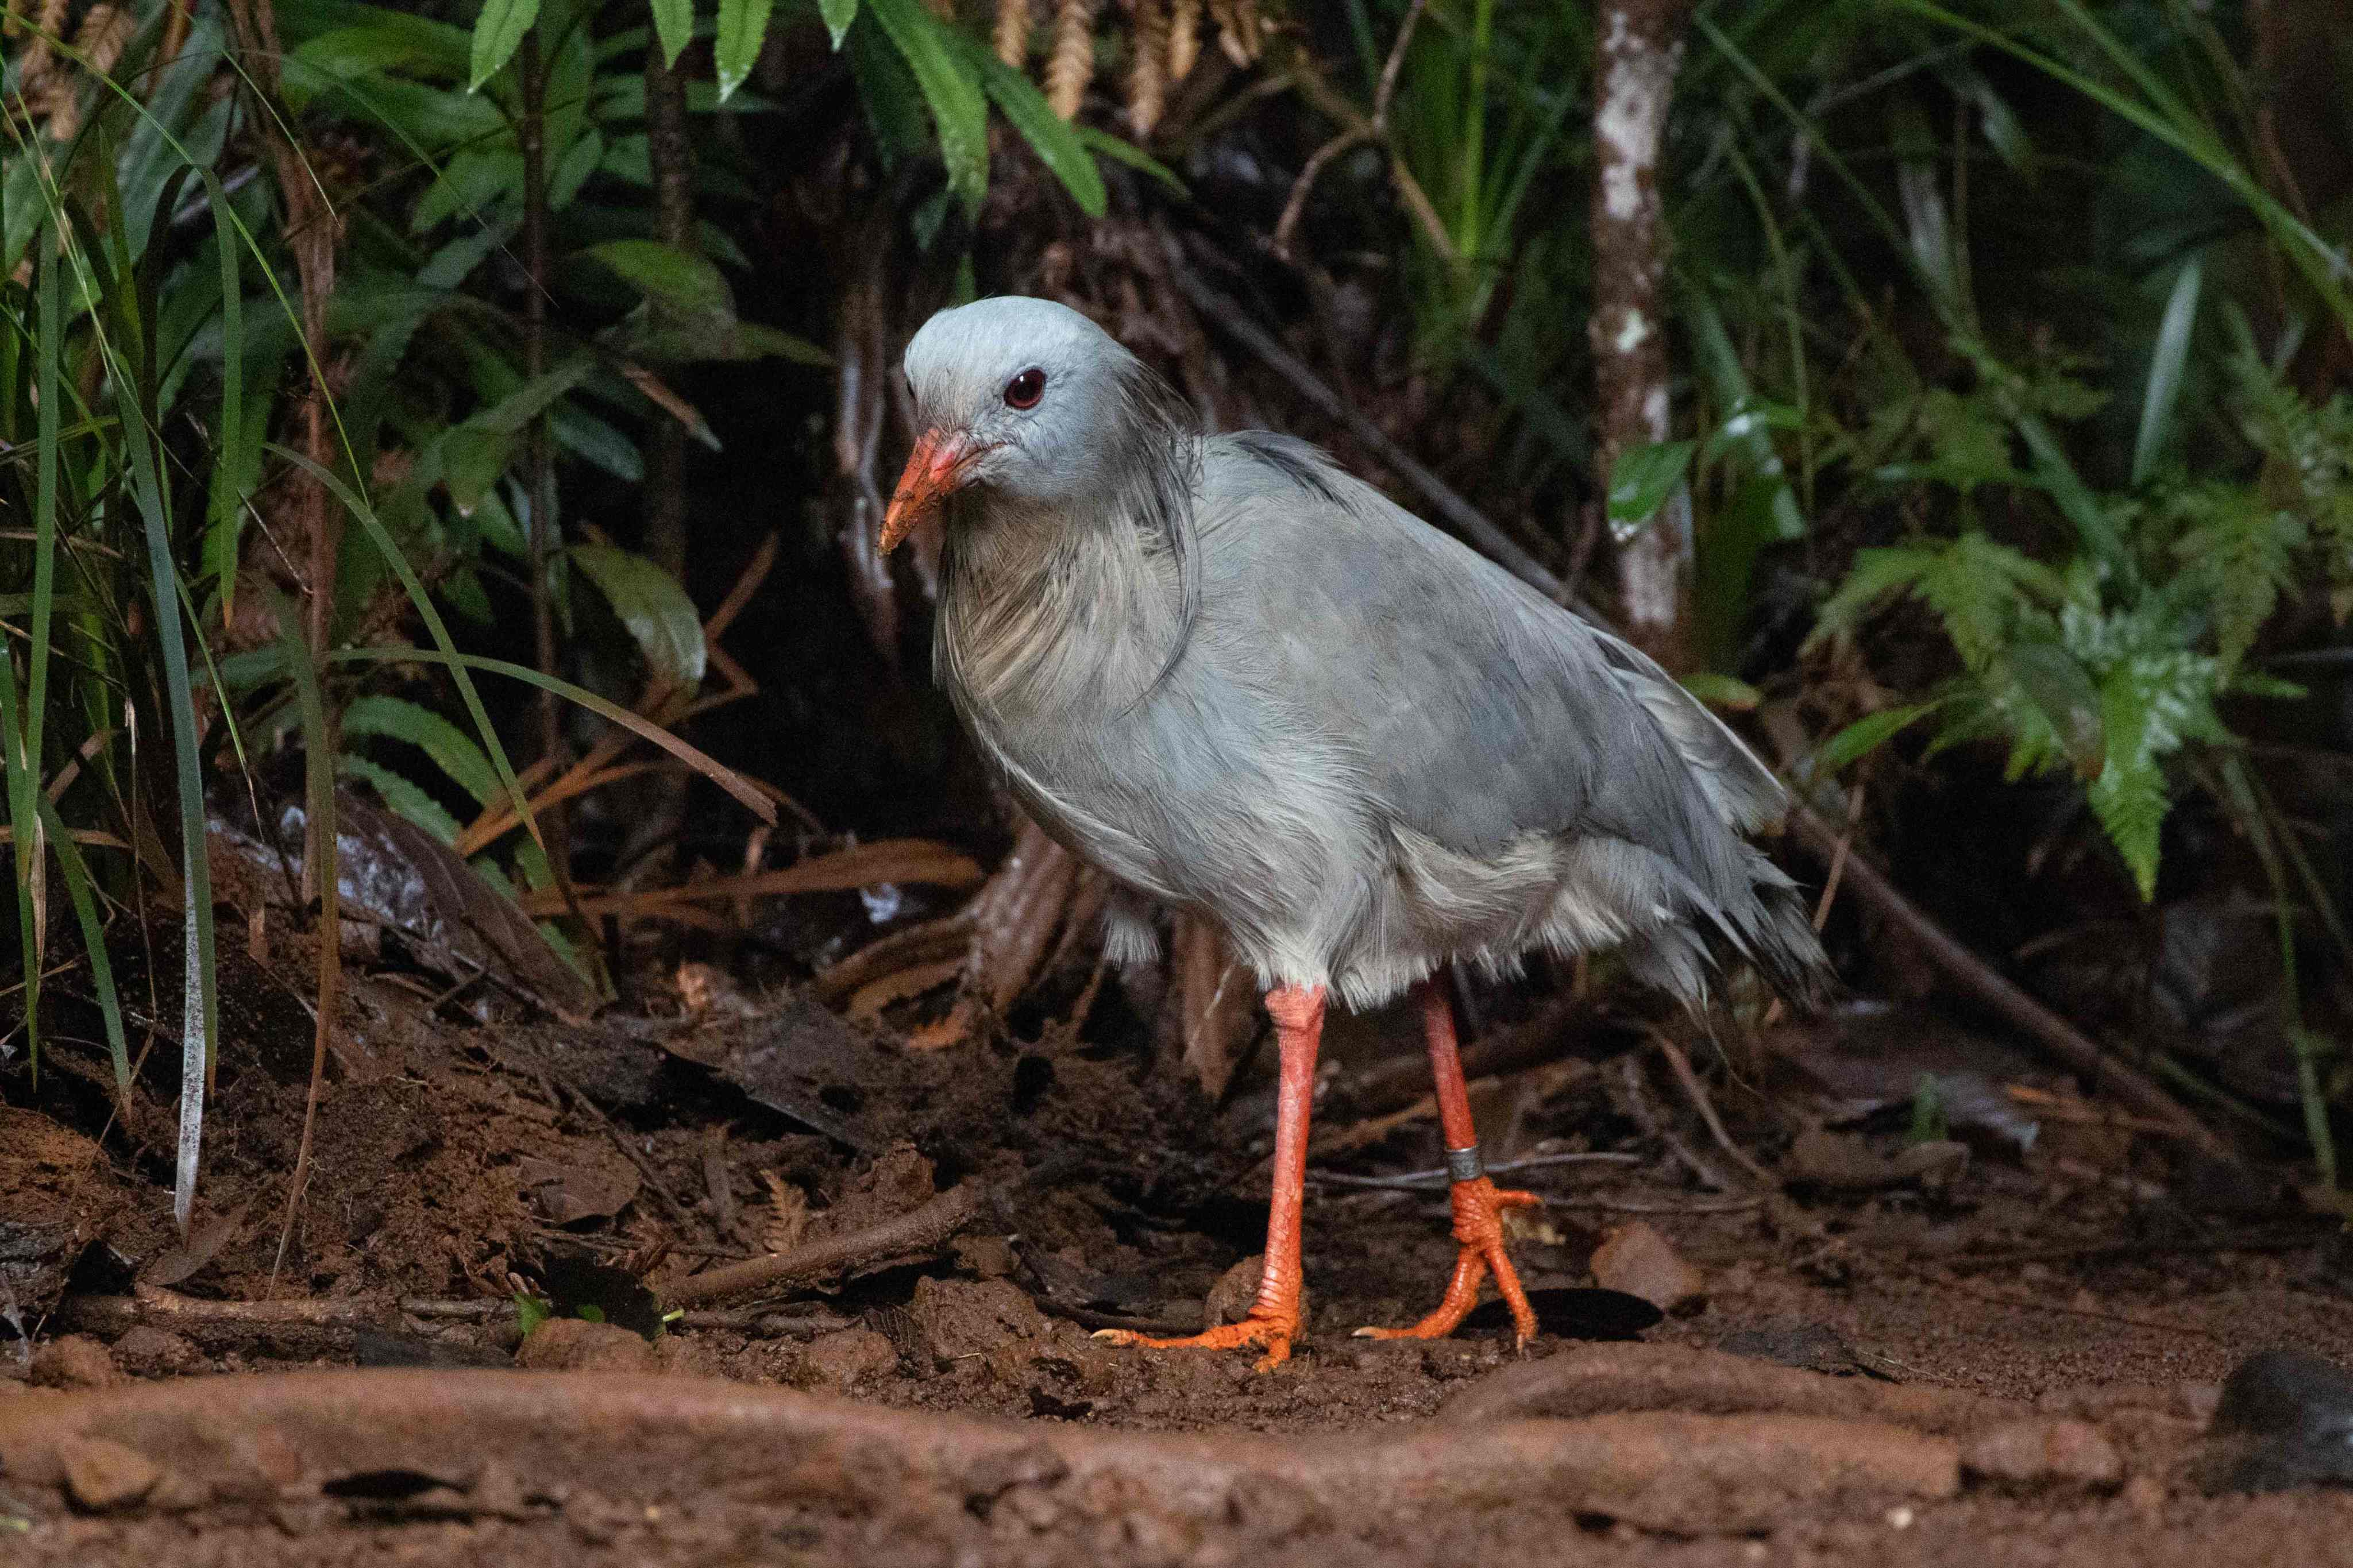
2145 1495
1229 1300
147 1352
839 1362
74 1361
2034 1455
575 1344
953 1319
1637 1259
2284 1420
103 1476
987 1257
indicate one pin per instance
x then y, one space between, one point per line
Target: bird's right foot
1271 1330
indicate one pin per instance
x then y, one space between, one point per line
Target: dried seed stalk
1239 32
1184 39
1148 73
1012 32
1073 63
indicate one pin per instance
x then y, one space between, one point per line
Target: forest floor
1875 1347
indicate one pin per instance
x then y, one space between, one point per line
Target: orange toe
1271 1332
1479 1206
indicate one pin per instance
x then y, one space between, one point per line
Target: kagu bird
1242 682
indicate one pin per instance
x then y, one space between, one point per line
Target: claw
1478 1237
1273 1332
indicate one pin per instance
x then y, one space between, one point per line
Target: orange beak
939 465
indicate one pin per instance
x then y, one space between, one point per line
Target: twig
1375 129
2000 995
1696 1093
1438 1178
1468 521
1628 1206
917 1231
1774 1012
661 1189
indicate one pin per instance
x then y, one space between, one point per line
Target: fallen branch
2002 998
919 1231
1591 1379
651 1440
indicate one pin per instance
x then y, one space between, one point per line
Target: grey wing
1484 712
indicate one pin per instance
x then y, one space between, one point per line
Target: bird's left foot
1270 1330
1479 1206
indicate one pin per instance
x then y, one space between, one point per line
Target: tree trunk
1640 45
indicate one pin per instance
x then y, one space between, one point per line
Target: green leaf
684 281
742 25
1867 735
2166 364
1057 143
674 25
1124 151
1722 690
453 750
2062 689
838 14
497 35
654 608
1642 479
402 795
473 457
951 89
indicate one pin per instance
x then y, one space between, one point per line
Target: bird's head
1030 400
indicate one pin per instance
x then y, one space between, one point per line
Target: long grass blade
75 873
200 1015
2165 367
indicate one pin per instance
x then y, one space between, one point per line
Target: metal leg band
1464 1164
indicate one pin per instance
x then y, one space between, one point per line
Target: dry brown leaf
788 1214
1072 63
867 1004
923 860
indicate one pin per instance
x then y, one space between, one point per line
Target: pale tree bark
1641 45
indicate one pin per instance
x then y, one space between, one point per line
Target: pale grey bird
1242 682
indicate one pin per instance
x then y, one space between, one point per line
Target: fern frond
1071 66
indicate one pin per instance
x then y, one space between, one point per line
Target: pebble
74 1361
1635 1259
103 1475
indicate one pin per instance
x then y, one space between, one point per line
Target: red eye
1024 390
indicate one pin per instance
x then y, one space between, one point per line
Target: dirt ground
2094 1291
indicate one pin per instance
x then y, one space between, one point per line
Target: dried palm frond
1073 63
1147 72
1184 39
1012 35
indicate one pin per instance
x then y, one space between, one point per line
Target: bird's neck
1053 614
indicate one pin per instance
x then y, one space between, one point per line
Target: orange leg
1479 1205
1274 1319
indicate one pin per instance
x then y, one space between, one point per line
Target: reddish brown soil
446 1156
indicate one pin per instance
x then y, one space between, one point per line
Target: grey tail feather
1774 932
1783 946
